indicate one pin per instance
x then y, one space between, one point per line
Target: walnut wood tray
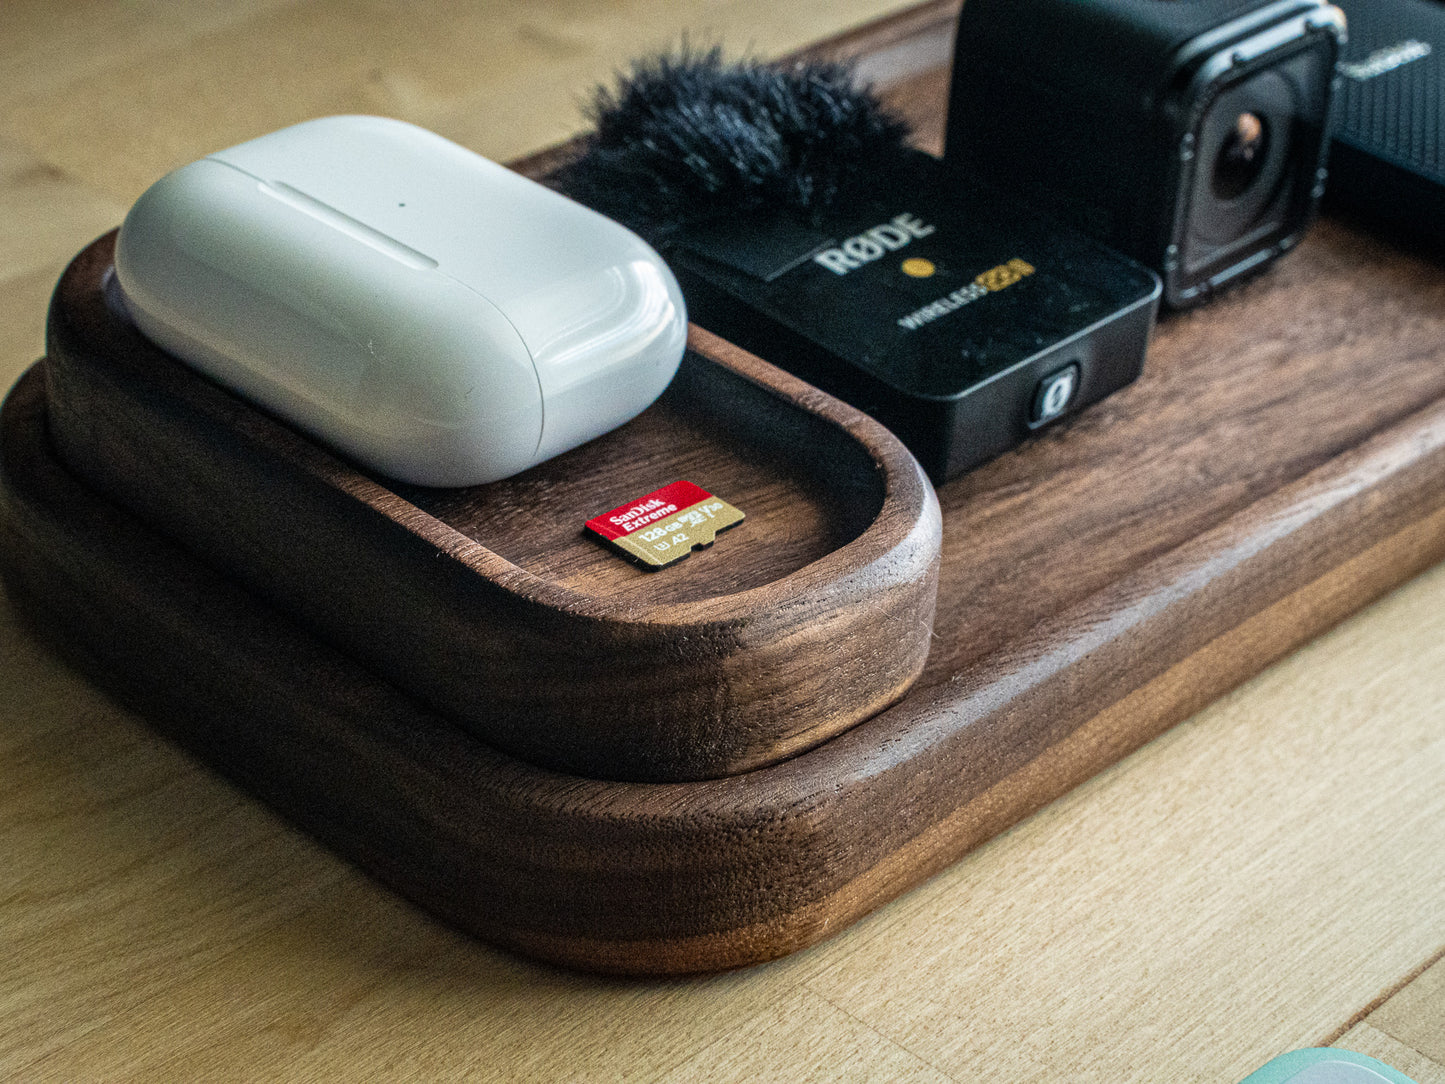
493 606
1280 464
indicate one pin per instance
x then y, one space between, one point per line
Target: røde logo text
873 244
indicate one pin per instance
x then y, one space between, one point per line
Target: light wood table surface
1266 876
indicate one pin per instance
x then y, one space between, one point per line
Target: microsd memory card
666 525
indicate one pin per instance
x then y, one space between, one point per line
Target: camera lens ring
1217 222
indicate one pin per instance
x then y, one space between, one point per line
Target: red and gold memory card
666 525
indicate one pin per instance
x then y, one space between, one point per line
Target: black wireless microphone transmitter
802 228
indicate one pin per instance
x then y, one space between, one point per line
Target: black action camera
1190 134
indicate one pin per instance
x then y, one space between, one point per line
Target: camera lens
1251 142
1242 157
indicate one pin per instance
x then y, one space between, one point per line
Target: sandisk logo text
873 244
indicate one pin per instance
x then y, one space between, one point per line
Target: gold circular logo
917 267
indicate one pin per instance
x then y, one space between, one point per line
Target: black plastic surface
950 355
1388 158
1103 115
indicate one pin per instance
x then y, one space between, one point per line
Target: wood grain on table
1265 876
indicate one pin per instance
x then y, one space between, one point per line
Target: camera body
1189 134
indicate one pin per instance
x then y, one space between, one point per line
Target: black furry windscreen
687 136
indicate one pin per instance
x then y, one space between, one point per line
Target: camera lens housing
1252 169
1190 134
